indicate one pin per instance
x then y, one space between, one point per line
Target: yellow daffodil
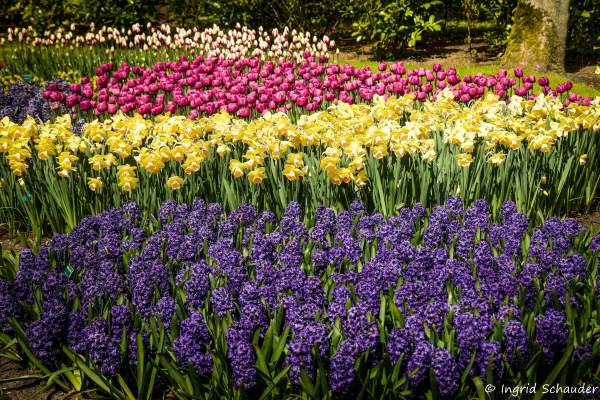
151 162
223 149
257 175
295 159
464 159
128 183
361 179
237 168
292 172
125 170
429 155
175 182
95 184
379 151
350 135
498 158
65 163
178 153
329 164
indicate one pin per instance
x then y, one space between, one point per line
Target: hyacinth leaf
479 387
434 393
52 378
173 372
149 388
263 352
99 380
490 373
398 380
397 318
534 367
382 308
22 378
141 358
358 368
74 376
308 386
279 345
596 347
465 374
558 368
125 388
273 384
321 374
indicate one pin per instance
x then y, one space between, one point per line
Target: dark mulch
29 389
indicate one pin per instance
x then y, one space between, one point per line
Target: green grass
579 88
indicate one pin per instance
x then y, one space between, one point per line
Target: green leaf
141 357
479 387
556 371
280 346
307 385
125 388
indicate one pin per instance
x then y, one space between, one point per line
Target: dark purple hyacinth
551 333
21 100
192 345
455 277
103 349
446 370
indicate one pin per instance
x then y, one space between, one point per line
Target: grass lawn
580 88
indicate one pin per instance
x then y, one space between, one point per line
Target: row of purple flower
450 292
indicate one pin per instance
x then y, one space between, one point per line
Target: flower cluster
246 86
235 43
19 100
338 142
356 292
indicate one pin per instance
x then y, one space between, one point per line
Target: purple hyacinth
342 366
595 243
191 347
103 348
120 320
446 371
221 301
420 361
551 332
489 358
515 339
300 349
197 287
9 308
165 309
399 344
241 355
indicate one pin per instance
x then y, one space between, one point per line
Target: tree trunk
538 38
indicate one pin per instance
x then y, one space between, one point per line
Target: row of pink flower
207 85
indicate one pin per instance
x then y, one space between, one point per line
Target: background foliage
389 26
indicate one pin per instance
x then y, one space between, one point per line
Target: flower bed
249 87
251 305
390 153
25 50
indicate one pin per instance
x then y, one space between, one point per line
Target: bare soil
28 389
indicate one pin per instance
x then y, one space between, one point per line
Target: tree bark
538 37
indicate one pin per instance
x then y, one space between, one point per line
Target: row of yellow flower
343 137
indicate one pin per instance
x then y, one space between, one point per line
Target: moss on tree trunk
538 36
